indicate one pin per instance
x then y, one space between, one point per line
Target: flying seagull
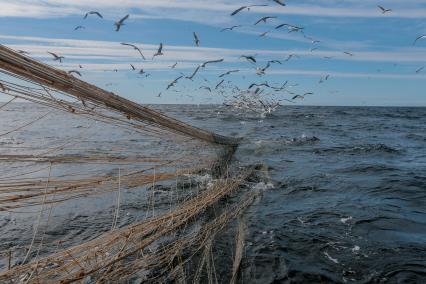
419 38
133 67
279 2
348 53
211 61
264 19
249 58
245 7
93 13
79 28
227 73
196 40
220 83
174 65
159 51
193 74
301 96
384 11
56 57
135 48
119 23
290 56
230 28
264 34
174 82
206 88
75 72
420 69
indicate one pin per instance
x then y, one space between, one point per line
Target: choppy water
349 196
349 202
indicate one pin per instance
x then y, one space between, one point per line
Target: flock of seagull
251 98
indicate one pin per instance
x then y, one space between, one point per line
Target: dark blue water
344 199
349 196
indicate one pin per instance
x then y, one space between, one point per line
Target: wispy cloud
183 8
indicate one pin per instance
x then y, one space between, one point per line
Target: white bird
384 11
134 47
79 28
120 23
419 38
174 82
264 19
56 57
75 72
230 28
93 13
159 51
245 7
196 40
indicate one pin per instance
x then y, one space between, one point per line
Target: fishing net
96 188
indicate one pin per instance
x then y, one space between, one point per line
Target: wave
359 149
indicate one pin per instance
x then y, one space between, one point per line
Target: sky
380 72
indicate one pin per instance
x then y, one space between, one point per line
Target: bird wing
99 14
238 10
123 19
195 72
381 8
211 61
279 2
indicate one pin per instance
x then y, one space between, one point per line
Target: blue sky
382 70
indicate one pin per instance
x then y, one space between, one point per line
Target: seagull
56 57
384 11
159 94
174 65
75 72
196 40
93 13
348 53
419 38
230 28
193 74
133 67
265 84
261 71
79 28
264 19
119 23
245 7
264 34
291 28
420 69
174 82
249 58
211 61
279 2
220 83
79 66
159 51
313 49
134 47
206 88
142 72
290 56
301 96
227 73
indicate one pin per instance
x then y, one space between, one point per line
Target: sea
344 200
